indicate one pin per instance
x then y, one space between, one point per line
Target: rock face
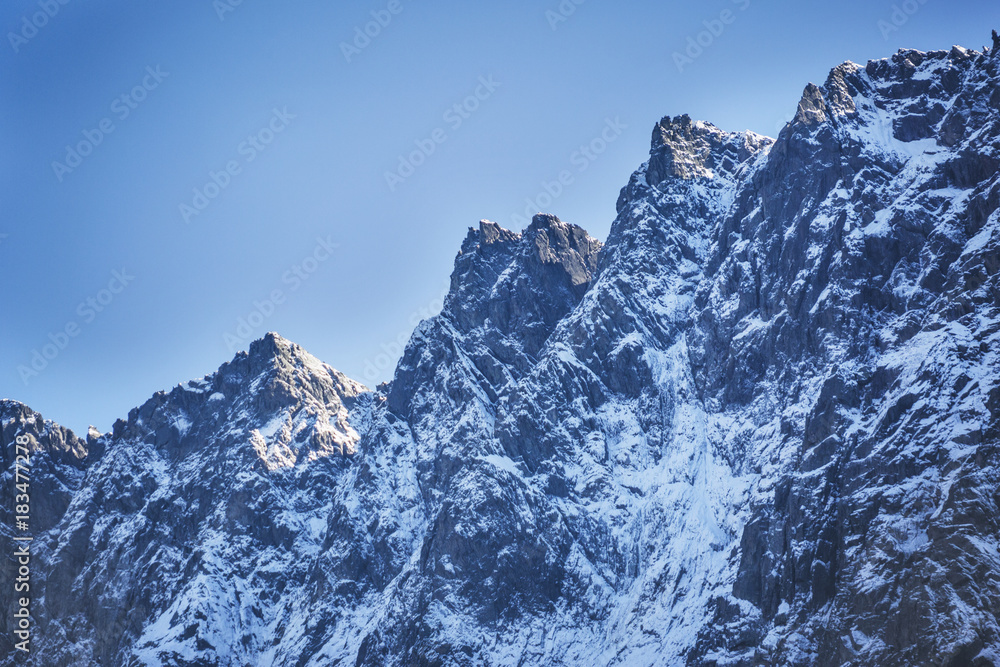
759 426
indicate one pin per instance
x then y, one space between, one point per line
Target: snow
194 386
503 463
286 552
182 424
272 427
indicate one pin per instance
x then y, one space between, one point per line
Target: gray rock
758 426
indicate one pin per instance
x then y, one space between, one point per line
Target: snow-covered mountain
760 425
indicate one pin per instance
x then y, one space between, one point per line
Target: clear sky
229 159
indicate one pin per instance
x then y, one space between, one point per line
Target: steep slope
758 426
875 541
53 472
682 468
478 527
610 421
194 514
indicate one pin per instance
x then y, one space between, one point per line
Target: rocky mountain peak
271 345
45 436
568 247
488 237
290 406
508 292
831 101
686 149
513 279
58 459
490 233
812 107
748 430
290 363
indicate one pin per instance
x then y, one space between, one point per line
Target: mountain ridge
758 425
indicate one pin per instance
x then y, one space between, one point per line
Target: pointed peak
686 149
544 221
274 377
912 56
958 53
832 100
10 405
275 348
672 130
522 283
812 107
269 345
17 419
273 352
555 243
490 232
549 232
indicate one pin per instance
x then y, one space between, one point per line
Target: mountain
759 425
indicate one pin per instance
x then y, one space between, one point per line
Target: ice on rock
757 425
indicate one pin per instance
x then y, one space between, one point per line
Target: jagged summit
522 282
489 233
271 344
760 425
57 460
16 418
508 291
567 246
685 149
290 405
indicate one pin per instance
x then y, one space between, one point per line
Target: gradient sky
343 121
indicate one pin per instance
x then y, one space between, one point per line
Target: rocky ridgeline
759 425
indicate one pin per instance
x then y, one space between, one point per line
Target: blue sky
180 177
